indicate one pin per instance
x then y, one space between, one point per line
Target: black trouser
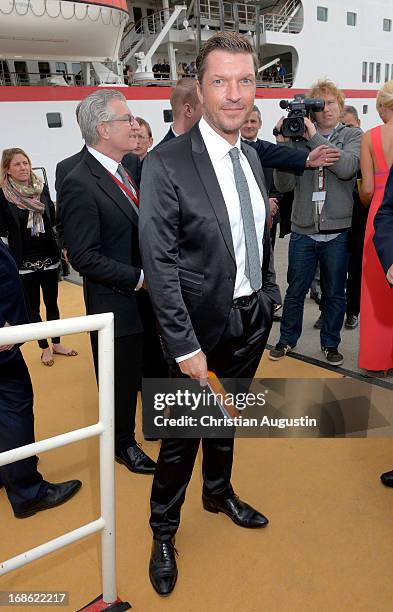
154 364
273 230
128 371
21 480
237 355
48 281
354 281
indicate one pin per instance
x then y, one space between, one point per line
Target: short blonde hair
325 86
6 159
385 96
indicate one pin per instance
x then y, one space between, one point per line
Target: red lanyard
130 194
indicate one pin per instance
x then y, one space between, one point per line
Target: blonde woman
27 219
376 305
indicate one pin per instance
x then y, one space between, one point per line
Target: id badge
319 196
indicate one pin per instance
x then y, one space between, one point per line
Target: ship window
21 74
322 13
365 109
387 69
5 78
371 73
378 73
43 69
364 72
351 19
387 25
54 120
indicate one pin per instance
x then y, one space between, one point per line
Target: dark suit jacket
10 225
101 234
272 155
65 166
168 136
186 244
130 161
383 224
12 302
276 156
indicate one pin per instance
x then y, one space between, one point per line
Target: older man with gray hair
99 209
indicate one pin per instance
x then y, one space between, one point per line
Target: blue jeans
303 255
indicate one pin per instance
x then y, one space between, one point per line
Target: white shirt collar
217 147
109 164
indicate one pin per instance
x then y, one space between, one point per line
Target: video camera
298 108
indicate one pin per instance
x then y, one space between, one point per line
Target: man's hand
389 275
195 367
65 256
323 156
280 137
7 347
273 204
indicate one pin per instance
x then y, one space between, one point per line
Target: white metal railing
210 11
272 22
289 7
104 428
147 27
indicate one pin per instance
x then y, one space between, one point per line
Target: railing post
107 469
257 34
221 7
198 26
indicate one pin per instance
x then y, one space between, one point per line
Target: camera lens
294 126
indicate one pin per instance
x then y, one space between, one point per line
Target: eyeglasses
128 118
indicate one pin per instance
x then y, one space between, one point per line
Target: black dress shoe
387 478
56 495
136 460
162 567
238 511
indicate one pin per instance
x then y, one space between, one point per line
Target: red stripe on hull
61 94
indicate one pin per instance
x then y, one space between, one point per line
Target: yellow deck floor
328 547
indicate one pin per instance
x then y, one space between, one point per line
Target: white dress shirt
112 166
218 149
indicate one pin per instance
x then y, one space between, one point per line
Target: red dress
376 303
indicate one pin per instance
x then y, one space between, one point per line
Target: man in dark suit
186 108
383 241
203 199
65 166
99 209
27 491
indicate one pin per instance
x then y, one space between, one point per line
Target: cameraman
321 218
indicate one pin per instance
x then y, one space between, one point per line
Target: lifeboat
61 29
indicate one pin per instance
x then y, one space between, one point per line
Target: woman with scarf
27 219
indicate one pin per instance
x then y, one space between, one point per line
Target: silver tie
127 183
253 263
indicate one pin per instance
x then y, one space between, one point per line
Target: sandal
70 353
48 363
